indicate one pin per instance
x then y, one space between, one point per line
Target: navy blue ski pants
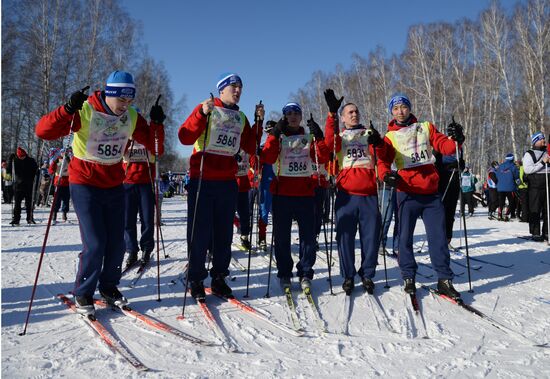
430 207
213 225
63 196
352 211
301 208
139 198
100 213
243 210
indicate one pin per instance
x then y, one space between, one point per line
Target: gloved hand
238 158
269 126
157 114
332 102
518 181
314 128
392 179
279 127
76 100
374 137
455 131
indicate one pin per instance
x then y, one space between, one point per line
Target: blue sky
276 45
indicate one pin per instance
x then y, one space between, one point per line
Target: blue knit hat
537 137
290 107
228 79
399 98
120 84
509 157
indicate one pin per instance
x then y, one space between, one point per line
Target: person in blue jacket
508 177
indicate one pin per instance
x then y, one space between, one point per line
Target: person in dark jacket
26 169
492 194
536 164
508 176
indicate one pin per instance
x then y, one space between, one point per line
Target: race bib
226 126
136 153
466 181
355 149
294 159
108 135
243 165
412 145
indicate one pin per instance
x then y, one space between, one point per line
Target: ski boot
113 296
368 285
305 283
245 243
285 282
146 257
14 223
84 305
220 287
410 286
263 245
197 290
348 286
64 216
132 259
445 287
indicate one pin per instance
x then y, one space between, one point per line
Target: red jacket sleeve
57 124
271 150
145 134
441 142
192 127
332 134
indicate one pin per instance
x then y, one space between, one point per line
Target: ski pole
463 218
547 206
258 123
382 231
199 184
157 167
43 250
329 269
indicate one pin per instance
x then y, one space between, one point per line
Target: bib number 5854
109 150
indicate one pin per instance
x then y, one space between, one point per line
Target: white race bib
355 149
466 181
294 159
243 165
136 153
226 126
413 144
108 137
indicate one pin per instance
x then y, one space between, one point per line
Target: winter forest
492 74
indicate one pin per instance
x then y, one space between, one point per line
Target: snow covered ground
58 343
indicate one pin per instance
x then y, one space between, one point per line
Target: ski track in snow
58 343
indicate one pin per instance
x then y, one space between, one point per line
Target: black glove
269 126
314 128
157 114
392 179
238 158
76 100
374 137
455 131
277 130
332 102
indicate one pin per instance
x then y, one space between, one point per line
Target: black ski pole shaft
464 221
382 231
44 243
257 122
192 236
